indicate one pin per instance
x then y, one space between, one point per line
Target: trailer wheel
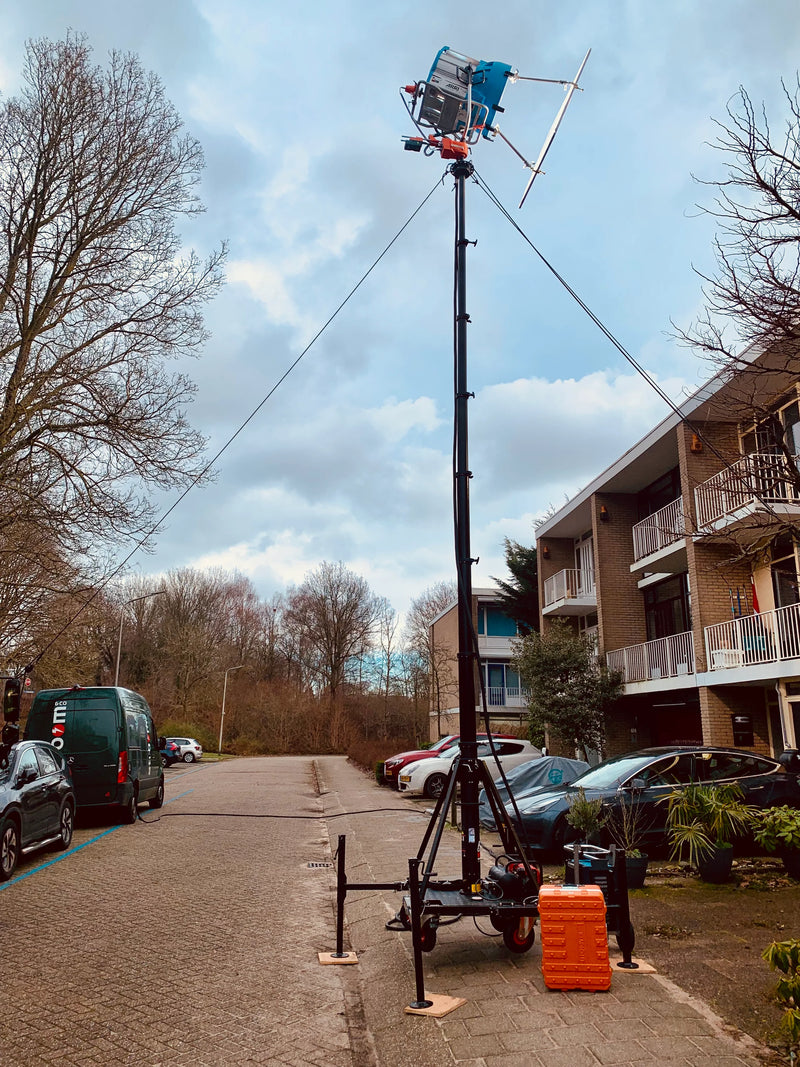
427 938
521 937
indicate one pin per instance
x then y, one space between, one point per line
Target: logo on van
59 720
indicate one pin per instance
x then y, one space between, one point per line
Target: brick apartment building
682 558
505 699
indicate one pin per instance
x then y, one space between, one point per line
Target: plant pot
791 861
716 865
636 869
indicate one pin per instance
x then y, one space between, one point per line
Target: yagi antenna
536 168
459 102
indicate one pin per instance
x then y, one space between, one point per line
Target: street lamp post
135 600
224 691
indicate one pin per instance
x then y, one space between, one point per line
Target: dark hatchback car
650 775
37 802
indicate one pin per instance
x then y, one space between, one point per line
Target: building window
502 683
493 622
784 572
667 608
659 493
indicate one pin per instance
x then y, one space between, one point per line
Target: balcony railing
568 584
758 478
666 657
659 530
507 696
765 637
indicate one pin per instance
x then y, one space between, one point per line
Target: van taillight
122 768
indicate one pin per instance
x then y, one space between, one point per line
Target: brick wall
720 703
620 605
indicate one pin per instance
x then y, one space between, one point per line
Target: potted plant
784 956
778 830
628 824
587 817
702 821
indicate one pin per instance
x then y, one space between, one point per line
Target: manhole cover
311 866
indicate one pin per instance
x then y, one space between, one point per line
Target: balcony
765 637
666 657
659 541
570 592
507 696
755 485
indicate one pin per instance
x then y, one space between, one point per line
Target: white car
429 776
190 750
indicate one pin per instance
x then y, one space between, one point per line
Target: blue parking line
77 848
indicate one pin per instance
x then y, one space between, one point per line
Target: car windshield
613 771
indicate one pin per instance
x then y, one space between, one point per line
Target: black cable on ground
244 815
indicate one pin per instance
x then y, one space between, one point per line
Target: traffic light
11 699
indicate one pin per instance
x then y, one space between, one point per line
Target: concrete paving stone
574 1036
563 1057
464 1048
526 1040
617 1052
509 1059
684 1026
682 1048
494 1024
536 1020
621 1029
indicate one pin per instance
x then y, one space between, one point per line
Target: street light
224 691
135 600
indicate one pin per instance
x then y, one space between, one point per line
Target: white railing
657 531
568 584
765 637
510 696
758 477
666 657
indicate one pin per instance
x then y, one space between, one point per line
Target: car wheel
158 799
434 786
188 757
165 762
66 825
130 810
9 849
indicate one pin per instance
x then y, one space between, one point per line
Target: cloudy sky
298 110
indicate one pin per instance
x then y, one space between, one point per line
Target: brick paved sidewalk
510 1019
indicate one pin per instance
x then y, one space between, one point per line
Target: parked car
37 802
170 753
107 737
430 775
395 764
530 778
189 749
649 776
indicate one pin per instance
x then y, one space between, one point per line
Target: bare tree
334 615
754 296
435 661
95 296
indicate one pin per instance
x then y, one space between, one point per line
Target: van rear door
85 727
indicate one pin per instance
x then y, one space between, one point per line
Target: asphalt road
183 939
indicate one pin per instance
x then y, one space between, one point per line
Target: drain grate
311 866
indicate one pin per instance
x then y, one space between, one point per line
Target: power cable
139 544
644 374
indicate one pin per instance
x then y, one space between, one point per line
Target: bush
202 734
